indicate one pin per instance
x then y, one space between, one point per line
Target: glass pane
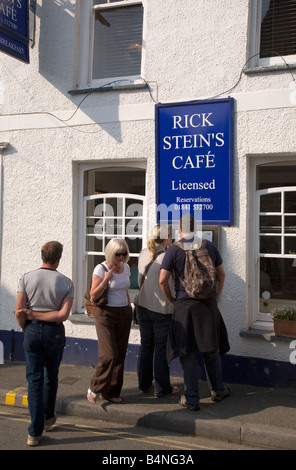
94 244
133 263
290 202
113 227
134 208
270 224
270 245
118 42
277 28
94 207
92 261
277 283
134 245
290 224
270 202
276 176
114 207
94 226
290 246
133 227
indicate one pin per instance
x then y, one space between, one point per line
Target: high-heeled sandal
91 396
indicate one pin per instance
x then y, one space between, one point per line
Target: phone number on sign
196 207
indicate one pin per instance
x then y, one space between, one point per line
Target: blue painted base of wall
236 369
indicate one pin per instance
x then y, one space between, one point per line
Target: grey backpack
200 278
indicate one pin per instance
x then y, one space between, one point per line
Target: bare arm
21 303
98 285
221 278
50 316
164 284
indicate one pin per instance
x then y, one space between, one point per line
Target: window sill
132 86
84 319
81 318
268 68
265 335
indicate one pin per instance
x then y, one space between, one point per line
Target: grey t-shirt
45 289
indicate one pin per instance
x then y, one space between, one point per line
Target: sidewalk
258 416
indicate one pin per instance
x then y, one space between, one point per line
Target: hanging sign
14 28
194 161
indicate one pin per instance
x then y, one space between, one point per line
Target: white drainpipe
3 146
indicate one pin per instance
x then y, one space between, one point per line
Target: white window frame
82 254
84 43
254 41
265 317
255 319
105 217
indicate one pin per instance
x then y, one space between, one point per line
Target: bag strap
105 270
144 275
87 293
104 267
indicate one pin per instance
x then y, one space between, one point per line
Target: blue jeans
191 373
152 361
43 344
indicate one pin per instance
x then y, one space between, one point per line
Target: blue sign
14 28
194 161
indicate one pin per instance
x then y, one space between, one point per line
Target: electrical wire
65 121
242 72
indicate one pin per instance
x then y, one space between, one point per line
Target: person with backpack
154 314
196 325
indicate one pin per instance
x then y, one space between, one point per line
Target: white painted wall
193 50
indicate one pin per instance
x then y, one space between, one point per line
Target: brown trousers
113 327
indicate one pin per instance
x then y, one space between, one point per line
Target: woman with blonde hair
154 313
113 321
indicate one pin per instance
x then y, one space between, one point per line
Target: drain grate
69 380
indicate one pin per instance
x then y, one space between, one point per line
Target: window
108 42
113 215
278 28
106 213
275 272
273 32
117 43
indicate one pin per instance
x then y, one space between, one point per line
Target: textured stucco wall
193 50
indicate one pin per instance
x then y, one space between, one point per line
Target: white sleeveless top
117 287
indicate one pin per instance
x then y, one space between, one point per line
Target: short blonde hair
116 245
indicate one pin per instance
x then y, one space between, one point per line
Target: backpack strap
203 244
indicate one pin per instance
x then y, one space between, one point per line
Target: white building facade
77 135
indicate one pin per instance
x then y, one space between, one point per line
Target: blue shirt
174 261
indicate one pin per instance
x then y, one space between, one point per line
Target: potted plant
284 320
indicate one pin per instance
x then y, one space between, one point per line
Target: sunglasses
120 254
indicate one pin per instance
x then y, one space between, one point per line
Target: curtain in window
278 28
118 42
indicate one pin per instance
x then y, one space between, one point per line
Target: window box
284 320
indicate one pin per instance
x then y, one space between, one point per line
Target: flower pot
284 328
